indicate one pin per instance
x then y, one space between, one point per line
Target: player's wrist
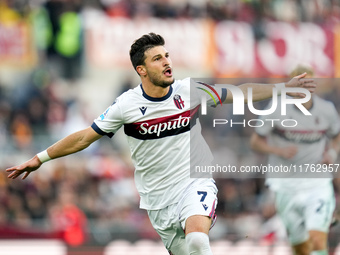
43 156
279 87
332 154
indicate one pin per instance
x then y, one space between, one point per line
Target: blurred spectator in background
66 49
68 219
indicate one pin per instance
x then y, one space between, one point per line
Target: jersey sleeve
334 127
214 95
109 121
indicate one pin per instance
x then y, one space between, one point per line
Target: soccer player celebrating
158 118
305 203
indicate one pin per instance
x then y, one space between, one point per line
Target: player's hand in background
27 167
329 157
287 152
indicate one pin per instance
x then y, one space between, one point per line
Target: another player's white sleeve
334 120
110 121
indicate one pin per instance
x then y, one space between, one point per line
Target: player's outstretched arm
265 91
260 144
68 145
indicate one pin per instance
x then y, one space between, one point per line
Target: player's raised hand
301 82
27 167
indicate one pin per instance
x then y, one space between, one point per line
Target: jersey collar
156 99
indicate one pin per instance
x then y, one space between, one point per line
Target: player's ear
141 70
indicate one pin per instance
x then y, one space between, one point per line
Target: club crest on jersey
178 101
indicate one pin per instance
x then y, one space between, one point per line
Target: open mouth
168 72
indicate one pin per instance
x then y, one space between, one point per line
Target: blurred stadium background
62 62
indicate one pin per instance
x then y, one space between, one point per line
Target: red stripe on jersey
300 136
163 126
211 214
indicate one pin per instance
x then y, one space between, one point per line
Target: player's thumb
301 76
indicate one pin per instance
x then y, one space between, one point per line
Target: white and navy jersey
159 132
309 135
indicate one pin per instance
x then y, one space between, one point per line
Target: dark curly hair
141 45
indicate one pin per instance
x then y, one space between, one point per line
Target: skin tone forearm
70 144
265 91
73 143
335 146
259 91
335 143
261 145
